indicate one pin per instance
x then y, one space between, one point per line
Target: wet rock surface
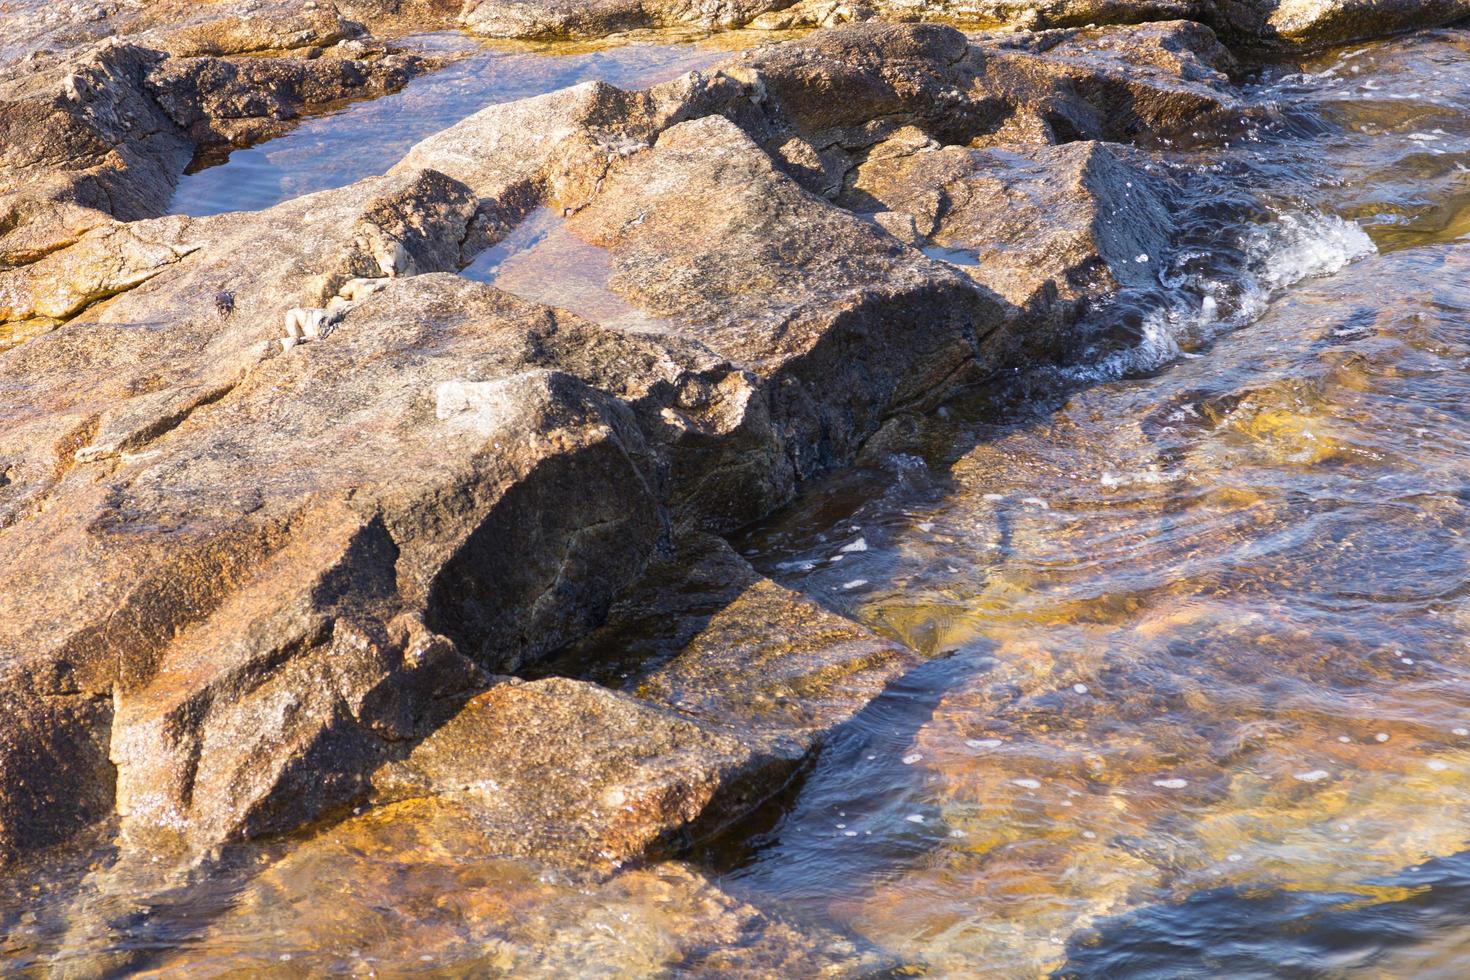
431 861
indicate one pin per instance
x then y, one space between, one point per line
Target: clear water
366 138
1197 702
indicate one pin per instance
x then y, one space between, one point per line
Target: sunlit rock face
1250 22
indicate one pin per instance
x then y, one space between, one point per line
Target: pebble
1171 783
1316 775
1089 835
925 526
861 544
1233 857
849 833
1080 688
856 583
983 743
911 758
1344 739
1027 783
1381 737
1438 765
1461 732
914 818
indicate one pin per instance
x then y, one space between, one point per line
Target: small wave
1197 306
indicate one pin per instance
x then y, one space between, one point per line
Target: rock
1055 230
1252 23
579 18
788 287
237 102
572 773
416 886
106 132
1324 22
703 633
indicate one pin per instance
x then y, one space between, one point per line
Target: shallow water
1197 633
366 138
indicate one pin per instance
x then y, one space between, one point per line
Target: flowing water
1198 696
1193 608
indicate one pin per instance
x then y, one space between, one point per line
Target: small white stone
849 833
957 832
856 583
861 544
1461 732
1438 765
1080 688
914 818
1027 783
911 758
1142 257
1344 739
926 526
1381 737
1171 783
983 743
1314 776
1406 660
1089 835
1233 857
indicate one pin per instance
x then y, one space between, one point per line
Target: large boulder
285 562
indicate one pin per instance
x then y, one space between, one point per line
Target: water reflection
366 138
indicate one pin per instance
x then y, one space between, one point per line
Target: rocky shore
298 522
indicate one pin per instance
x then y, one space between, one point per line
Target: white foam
1277 254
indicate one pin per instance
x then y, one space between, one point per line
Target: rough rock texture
299 530
282 564
1056 230
703 633
1250 22
567 771
105 131
594 18
414 887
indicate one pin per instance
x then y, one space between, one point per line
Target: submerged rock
416 886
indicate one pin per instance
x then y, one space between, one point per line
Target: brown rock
573 773
415 886
1056 230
